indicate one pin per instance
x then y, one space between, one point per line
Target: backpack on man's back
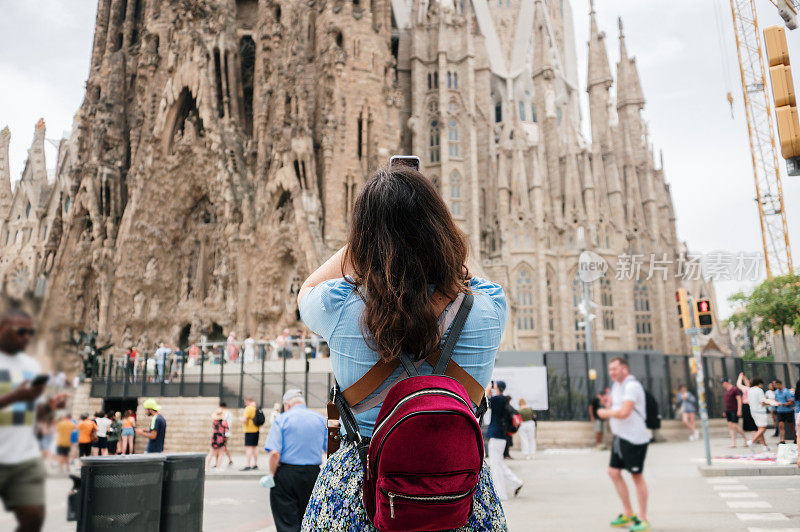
652 414
259 419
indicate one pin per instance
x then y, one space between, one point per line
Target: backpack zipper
410 415
430 498
429 391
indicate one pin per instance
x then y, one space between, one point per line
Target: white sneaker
749 443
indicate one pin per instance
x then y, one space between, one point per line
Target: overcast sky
46 46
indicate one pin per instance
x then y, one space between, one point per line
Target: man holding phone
22 471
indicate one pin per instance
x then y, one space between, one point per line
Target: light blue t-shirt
784 395
333 308
161 354
300 435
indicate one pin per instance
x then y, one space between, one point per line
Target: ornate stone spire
37 169
629 88
5 173
599 73
542 45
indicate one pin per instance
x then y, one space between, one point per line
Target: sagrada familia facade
217 154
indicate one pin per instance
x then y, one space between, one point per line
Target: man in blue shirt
158 427
296 442
785 399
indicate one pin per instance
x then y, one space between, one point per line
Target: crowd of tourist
756 403
167 362
65 439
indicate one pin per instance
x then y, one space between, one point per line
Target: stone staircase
551 434
189 423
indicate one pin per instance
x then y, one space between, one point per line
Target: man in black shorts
626 411
785 409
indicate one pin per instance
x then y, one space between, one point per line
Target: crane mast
761 133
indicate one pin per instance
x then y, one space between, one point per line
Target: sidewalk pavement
568 489
565 489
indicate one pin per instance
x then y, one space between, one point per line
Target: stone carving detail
220 145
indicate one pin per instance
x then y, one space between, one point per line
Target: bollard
121 493
182 493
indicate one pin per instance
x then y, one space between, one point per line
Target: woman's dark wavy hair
403 238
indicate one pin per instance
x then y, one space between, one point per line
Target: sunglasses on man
23 331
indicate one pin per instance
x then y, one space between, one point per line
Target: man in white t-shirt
100 447
626 410
22 471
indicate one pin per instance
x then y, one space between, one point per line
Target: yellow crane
761 133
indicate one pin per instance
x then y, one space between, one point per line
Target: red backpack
423 461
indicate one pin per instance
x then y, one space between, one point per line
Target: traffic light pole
700 379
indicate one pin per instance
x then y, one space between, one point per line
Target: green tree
771 306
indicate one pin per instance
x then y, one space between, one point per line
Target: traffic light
684 321
703 318
783 93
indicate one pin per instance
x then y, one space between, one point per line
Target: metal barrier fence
264 371
570 389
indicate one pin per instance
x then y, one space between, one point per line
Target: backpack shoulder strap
381 370
644 392
408 364
452 337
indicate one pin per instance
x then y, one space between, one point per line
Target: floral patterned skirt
336 505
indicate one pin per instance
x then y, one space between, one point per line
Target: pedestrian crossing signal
684 322
703 317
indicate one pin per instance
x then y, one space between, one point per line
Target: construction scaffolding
761 133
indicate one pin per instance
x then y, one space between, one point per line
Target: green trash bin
182 493
121 493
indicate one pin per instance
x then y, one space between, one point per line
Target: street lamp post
586 304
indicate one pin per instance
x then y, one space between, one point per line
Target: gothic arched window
551 325
524 286
642 316
607 303
434 142
452 139
455 194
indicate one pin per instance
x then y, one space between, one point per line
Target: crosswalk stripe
766 516
722 480
729 487
738 495
743 505
773 529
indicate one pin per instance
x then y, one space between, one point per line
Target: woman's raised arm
333 268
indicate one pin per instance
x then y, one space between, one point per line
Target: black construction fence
266 375
570 388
